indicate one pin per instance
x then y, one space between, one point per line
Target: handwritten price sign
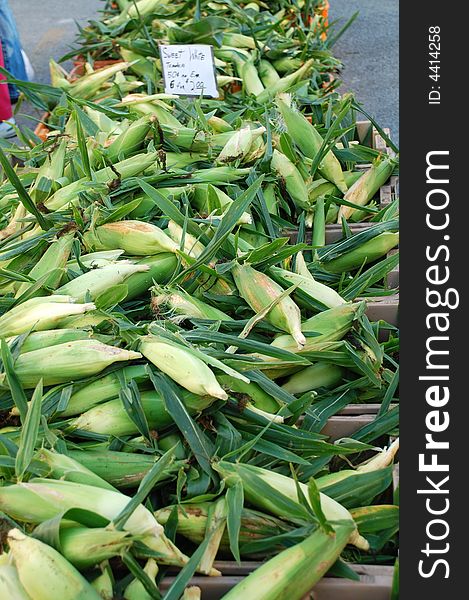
189 70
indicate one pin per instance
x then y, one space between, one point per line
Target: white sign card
189 70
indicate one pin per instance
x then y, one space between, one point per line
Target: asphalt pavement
369 50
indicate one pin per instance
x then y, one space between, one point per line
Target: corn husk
44 573
260 291
182 366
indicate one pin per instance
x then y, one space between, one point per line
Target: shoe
6 129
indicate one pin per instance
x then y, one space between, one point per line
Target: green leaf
16 389
381 425
198 442
315 500
112 296
244 344
318 414
227 224
389 395
85 159
169 209
177 588
369 277
119 213
235 504
29 433
23 195
358 488
48 282
273 449
140 574
146 485
341 569
130 398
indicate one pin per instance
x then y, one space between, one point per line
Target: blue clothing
11 46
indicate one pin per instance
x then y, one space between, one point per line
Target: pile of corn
259 48
168 359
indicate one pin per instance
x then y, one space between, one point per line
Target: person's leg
13 58
6 114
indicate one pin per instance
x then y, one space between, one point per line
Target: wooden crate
374 584
375 581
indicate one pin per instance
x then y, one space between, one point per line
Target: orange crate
79 66
41 129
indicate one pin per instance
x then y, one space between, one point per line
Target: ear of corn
39 314
268 74
84 547
192 246
102 389
251 81
239 144
120 469
101 428
291 179
215 529
255 478
331 325
55 257
317 290
43 499
309 140
161 267
104 583
285 83
68 362
130 140
97 281
66 468
251 393
363 190
135 590
184 306
87 86
49 173
293 572
182 366
255 525
111 418
321 374
142 9
129 167
134 237
368 252
10 584
219 125
44 573
260 291
287 64
93 318
52 337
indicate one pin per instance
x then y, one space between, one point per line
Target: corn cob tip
88 306
299 338
216 392
359 541
16 535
